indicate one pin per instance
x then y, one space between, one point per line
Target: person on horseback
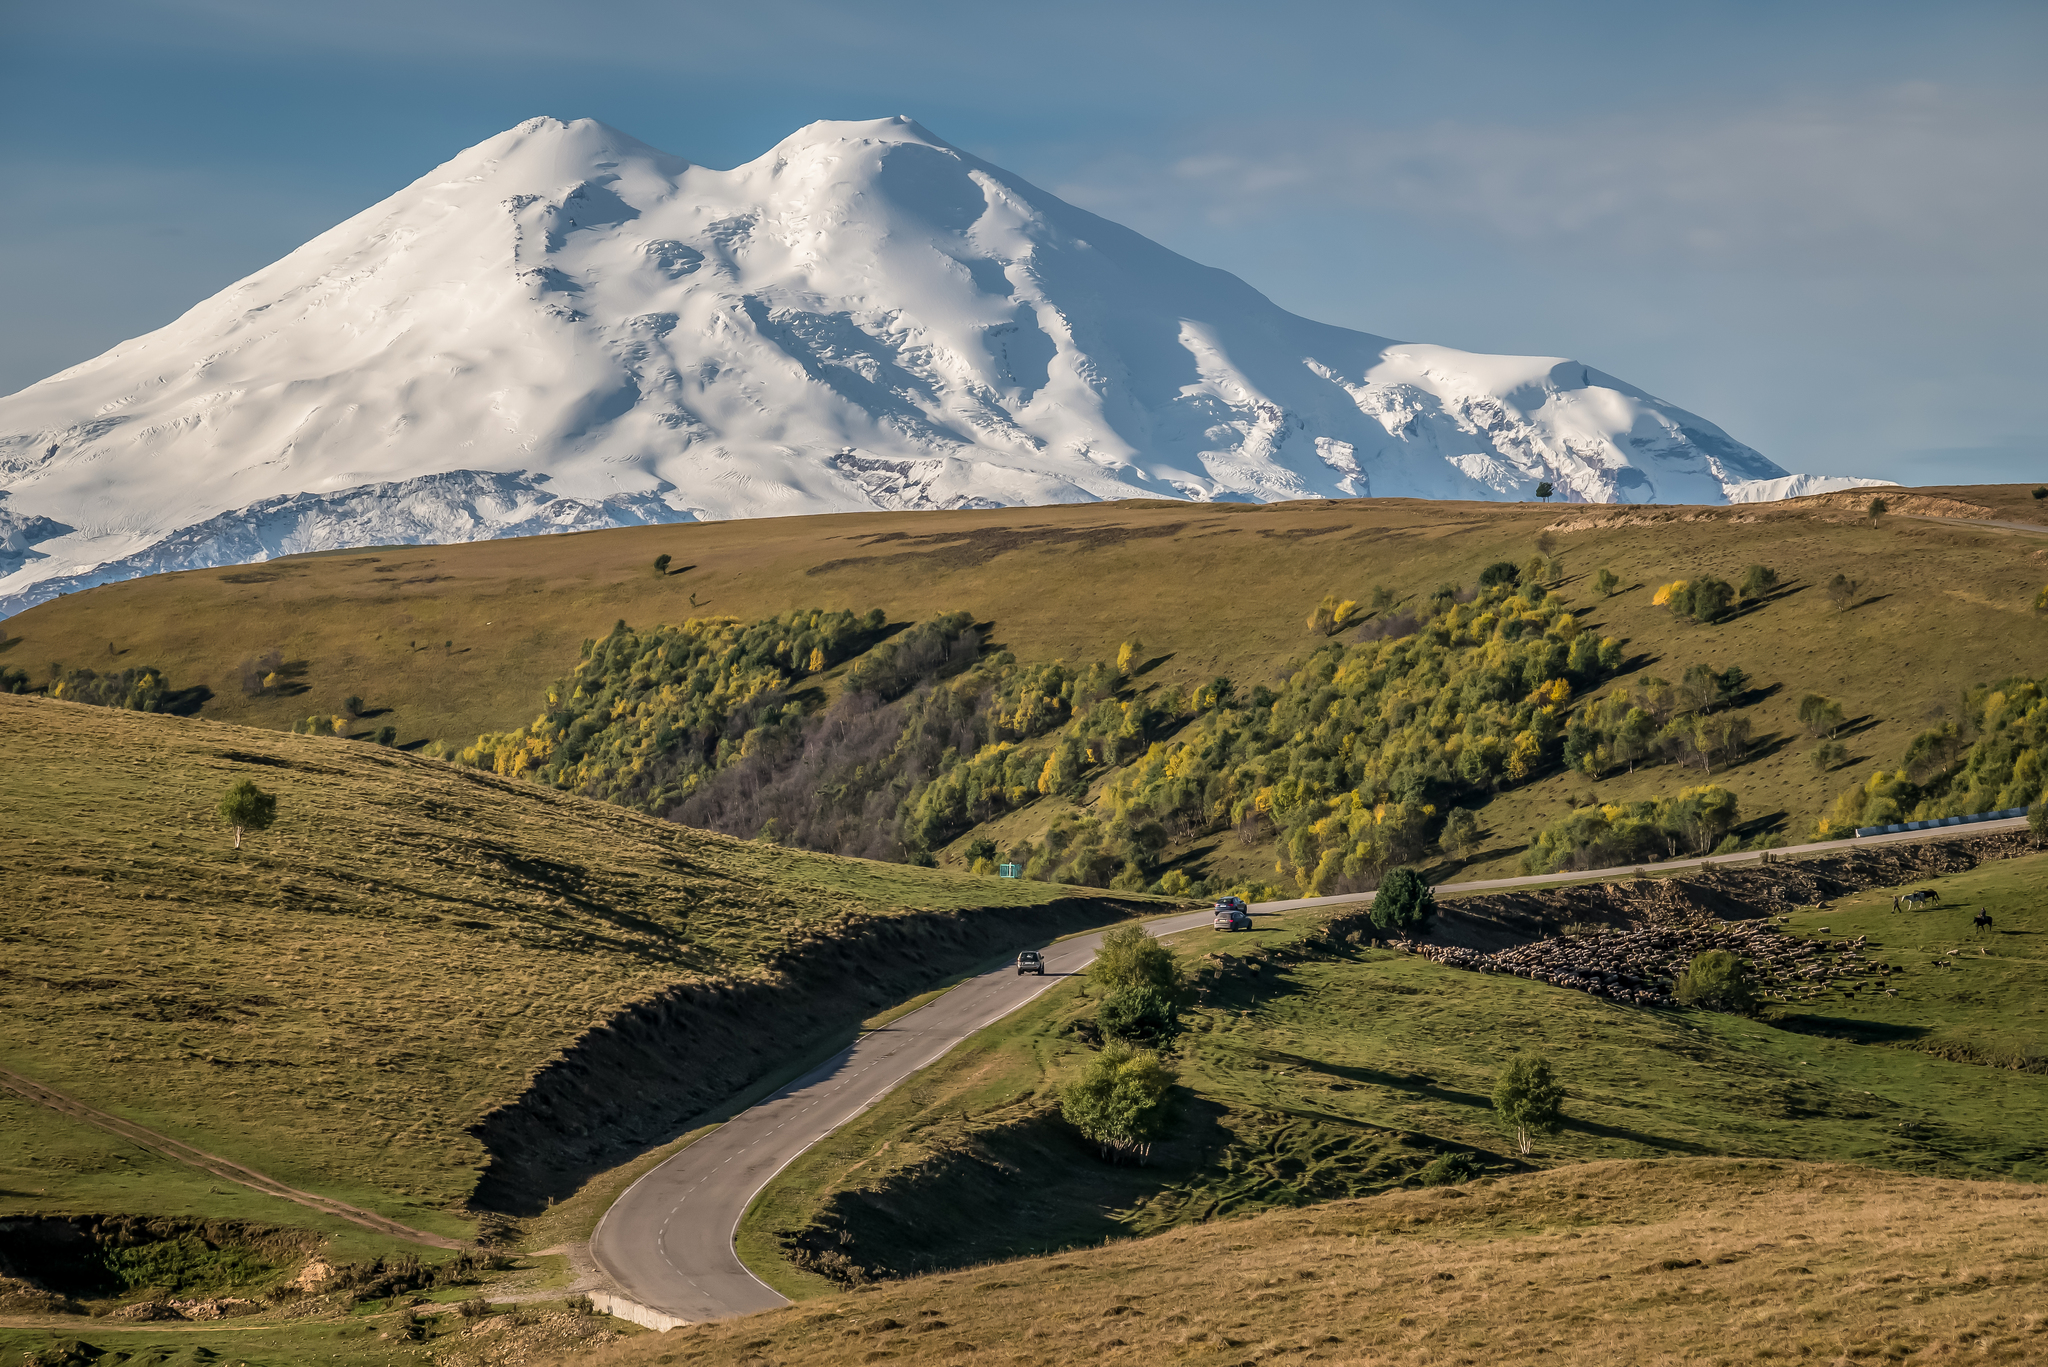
1982 920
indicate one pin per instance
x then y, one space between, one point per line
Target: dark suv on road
1232 914
1031 961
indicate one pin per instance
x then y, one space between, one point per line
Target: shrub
475 1308
1332 615
352 705
1605 582
1450 1169
2041 491
1529 1100
1716 981
2040 601
2037 820
1821 716
1130 958
387 735
1842 591
1460 834
661 564
981 848
579 1305
1829 754
1119 1103
1404 902
1500 572
1877 509
1138 1013
247 807
1757 581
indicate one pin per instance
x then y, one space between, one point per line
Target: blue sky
1819 225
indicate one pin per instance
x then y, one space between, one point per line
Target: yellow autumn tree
1128 654
1663 596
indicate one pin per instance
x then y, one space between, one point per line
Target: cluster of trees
1697 821
1708 599
647 717
1994 758
1362 751
1692 721
143 689
1119 1103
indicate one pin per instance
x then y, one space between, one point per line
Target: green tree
1842 591
2037 820
1499 572
1529 1100
1716 981
1757 582
1829 755
1545 490
1119 1103
1878 508
1404 902
661 564
1381 598
352 705
247 807
1460 834
1139 1013
1535 569
387 735
2041 491
1553 570
1708 599
1821 716
1606 582
980 848
1131 958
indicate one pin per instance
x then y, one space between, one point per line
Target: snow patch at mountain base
864 317
462 505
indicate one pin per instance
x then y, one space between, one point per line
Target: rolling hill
427 991
448 644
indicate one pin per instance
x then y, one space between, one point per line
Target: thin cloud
1940 180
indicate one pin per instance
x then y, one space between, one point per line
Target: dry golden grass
1678 1261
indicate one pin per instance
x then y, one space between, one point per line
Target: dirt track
213 1163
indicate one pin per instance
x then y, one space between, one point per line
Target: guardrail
2005 815
620 1308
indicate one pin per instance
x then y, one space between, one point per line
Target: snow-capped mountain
564 328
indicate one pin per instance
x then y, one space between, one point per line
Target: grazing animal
1913 901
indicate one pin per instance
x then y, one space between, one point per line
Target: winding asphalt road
667 1243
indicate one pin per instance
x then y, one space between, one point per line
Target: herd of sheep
1641 965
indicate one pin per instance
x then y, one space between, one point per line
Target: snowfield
564 328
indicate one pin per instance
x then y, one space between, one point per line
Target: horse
1913 901
1982 920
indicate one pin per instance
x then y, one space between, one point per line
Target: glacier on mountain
864 317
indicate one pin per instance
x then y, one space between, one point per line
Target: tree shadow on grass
1578 1125
1846 1027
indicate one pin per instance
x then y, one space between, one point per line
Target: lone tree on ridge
247 807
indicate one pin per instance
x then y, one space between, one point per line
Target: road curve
667 1242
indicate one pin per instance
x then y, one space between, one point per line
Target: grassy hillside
452 642
1648 1262
1342 1075
361 999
